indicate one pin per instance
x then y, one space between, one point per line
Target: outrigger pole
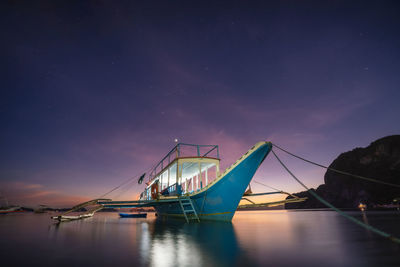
295 199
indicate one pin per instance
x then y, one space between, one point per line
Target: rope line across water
273 188
338 171
326 203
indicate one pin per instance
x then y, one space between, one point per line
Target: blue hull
133 215
219 200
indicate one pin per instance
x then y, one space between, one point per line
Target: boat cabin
187 168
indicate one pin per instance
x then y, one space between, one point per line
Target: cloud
31 195
26 186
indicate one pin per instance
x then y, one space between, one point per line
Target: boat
188 183
362 206
10 210
133 215
66 216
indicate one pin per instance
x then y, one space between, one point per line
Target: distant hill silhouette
380 160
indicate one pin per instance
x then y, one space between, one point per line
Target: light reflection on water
254 238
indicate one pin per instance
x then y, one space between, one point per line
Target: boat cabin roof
186 153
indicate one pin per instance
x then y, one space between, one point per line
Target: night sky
95 92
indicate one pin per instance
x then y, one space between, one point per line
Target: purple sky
94 93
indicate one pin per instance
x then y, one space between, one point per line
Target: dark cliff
380 160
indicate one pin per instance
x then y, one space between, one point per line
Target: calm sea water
254 238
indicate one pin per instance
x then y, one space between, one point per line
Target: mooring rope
117 187
281 191
127 187
326 203
338 171
270 187
126 182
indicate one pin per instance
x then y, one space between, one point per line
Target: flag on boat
141 178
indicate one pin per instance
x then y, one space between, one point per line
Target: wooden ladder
188 209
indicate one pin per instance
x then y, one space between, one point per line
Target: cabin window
208 173
172 174
164 180
211 173
190 172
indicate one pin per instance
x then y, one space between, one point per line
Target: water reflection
175 243
259 238
287 238
153 242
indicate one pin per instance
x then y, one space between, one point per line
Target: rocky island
380 160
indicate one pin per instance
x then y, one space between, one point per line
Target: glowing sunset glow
94 94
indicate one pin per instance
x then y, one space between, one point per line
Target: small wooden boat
133 215
10 210
362 206
65 218
87 214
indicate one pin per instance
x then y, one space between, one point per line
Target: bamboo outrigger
86 214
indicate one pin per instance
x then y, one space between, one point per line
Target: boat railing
172 190
184 150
